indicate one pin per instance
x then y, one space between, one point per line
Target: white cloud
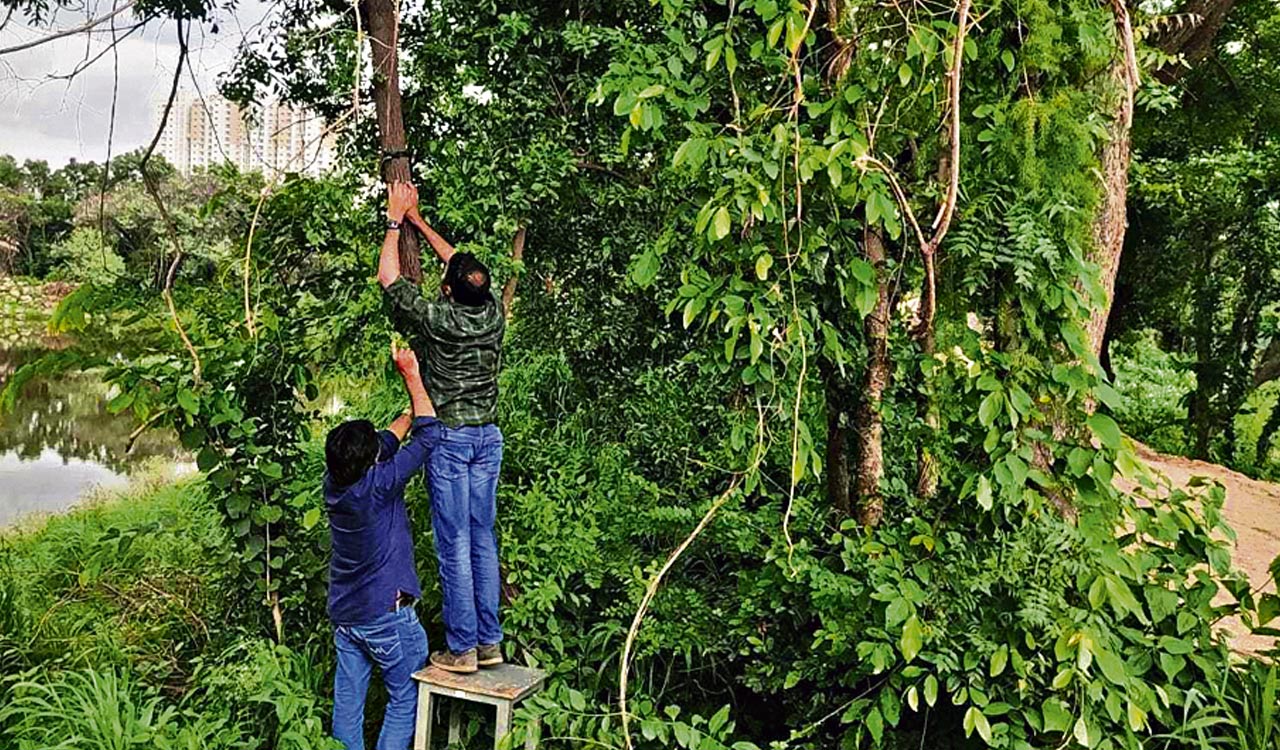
58 120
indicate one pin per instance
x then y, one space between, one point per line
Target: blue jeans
396 643
463 476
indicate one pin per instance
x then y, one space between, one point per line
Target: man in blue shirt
373 581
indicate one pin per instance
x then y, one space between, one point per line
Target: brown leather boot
488 656
464 663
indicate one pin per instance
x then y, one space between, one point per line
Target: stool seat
507 682
501 686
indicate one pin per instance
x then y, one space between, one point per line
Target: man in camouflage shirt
458 333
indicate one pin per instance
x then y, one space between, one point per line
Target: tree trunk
838 477
1194 41
869 421
517 255
384 25
1110 222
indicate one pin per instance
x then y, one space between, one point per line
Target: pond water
61 442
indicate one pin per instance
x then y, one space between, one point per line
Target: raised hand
406 362
401 198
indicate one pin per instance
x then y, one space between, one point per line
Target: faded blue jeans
463 476
396 643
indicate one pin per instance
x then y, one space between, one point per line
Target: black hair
468 280
349 451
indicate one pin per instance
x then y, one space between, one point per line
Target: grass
119 629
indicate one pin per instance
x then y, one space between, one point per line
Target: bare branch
67 32
153 189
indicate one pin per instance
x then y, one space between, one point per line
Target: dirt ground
1252 509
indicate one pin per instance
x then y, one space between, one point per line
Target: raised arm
409 456
401 196
444 251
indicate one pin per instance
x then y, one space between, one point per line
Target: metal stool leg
503 724
422 733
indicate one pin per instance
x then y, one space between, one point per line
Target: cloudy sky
44 115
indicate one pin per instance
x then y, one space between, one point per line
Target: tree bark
1194 41
517 255
1110 223
869 421
384 26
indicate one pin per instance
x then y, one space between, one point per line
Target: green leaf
975 719
998 661
1082 733
1268 608
645 269
1106 430
692 308
1007 58
990 408
904 74
1056 716
931 690
188 400
121 402
651 91
875 725
763 263
1112 666
912 638
310 518
720 223
984 493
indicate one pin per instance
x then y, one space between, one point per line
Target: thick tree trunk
868 419
384 26
1110 222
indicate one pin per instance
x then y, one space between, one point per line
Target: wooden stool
501 687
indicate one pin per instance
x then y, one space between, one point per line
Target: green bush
86 256
1153 386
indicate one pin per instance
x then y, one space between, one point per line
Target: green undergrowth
118 630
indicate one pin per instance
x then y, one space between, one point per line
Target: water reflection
60 441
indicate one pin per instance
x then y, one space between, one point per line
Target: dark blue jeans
396 643
463 476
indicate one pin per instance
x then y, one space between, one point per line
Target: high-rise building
275 138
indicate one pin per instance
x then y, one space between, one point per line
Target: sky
46 117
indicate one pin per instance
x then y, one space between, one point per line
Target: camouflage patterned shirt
460 347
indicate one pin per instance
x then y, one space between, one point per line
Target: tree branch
517 255
942 221
149 182
67 32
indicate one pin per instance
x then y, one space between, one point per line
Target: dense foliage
726 207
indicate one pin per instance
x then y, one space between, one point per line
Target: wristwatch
392 225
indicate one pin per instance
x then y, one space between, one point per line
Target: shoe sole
491 662
454 668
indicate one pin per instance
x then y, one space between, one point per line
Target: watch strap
392 224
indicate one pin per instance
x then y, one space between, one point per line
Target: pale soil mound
1252 509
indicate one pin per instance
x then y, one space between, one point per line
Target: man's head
466 280
349 451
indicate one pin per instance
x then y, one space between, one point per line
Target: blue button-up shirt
371 562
